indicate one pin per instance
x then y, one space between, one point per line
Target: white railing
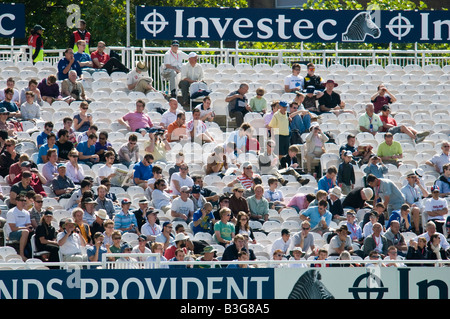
154 56
157 263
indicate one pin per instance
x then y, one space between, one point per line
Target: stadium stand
422 102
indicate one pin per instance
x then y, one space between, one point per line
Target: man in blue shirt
41 139
86 151
9 104
68 63
328 181
443 182
83 58
126 221
318 216
143 171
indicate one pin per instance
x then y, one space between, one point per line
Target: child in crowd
258 103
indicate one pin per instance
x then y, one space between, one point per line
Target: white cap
192 55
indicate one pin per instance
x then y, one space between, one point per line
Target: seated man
382 97
102 60
170 115
390 125
138 121
183 207
435 209
191 72
138 79
312 79
443 182
294 82
258 205
86 151
33 87
143 171
11 83
359 153
19 222
238 104
49 89
331 101
197 129
68 63
8 103
62 186
390 151
171 68
72 89
129 152
369 121
83 58
30 110
176 131
318 216
299 118
439 160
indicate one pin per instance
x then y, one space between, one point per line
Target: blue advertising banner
12 20
290 25
138 284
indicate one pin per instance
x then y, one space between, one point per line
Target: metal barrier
158 263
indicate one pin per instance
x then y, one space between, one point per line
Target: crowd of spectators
367 218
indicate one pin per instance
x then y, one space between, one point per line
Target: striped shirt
124 220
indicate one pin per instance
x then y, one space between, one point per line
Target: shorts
395 130
16 235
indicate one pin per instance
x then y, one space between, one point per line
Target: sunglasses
39 201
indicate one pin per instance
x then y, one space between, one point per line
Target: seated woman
46 238
82 121
217 162
243 227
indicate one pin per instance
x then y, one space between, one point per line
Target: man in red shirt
103 60
390 125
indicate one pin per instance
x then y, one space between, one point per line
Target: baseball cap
283 104
192 55
125 201
175 42
435 188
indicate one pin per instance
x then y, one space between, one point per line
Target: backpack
198 89
296 137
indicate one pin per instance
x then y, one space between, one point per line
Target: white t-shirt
18 217
105 171
435 204
168 117
183 207
182 181
294 81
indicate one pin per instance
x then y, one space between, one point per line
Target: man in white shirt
283 243
180 179
173 60
182 206
139 80
70 242
151 229
295 81
438 161
170 115
108 170
19 222
191 72
435 209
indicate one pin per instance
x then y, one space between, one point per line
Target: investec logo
242 28
364 26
